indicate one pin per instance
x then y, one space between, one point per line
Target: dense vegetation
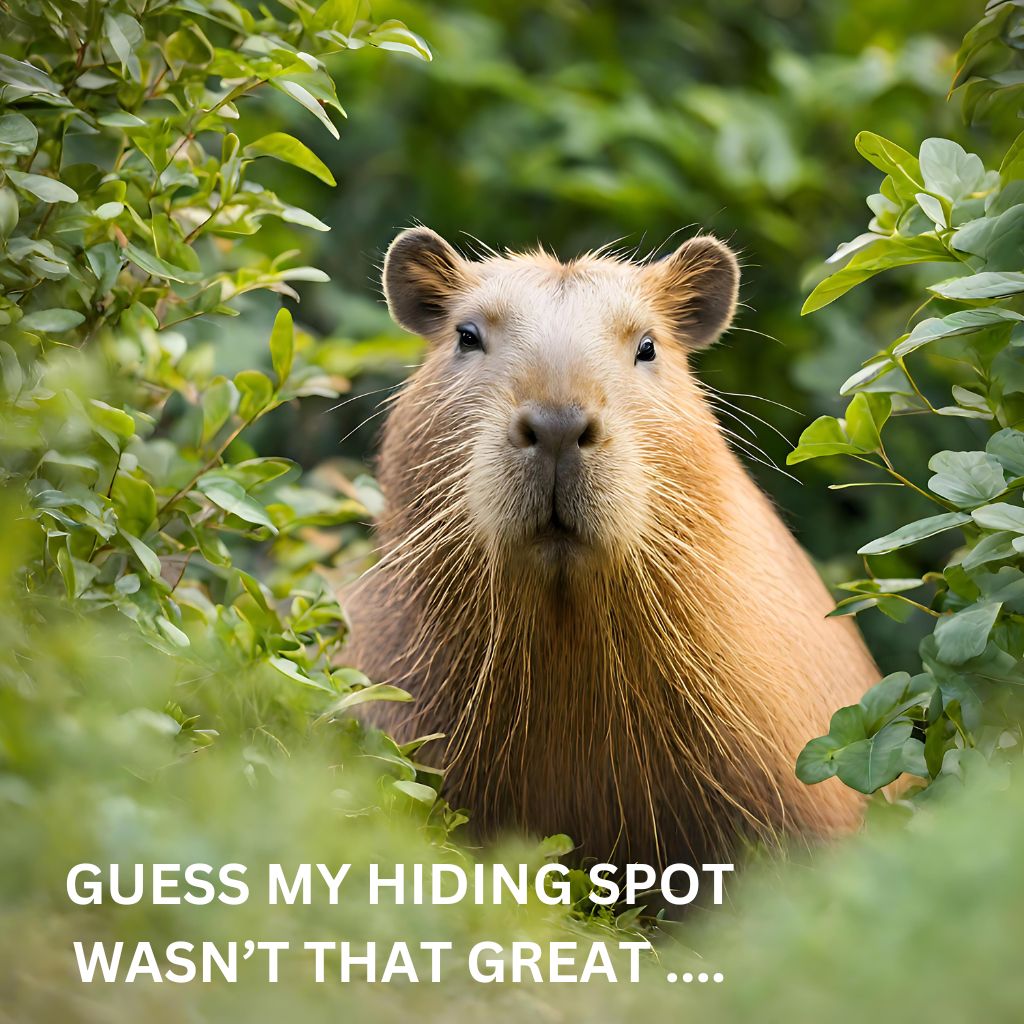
961 713
185 481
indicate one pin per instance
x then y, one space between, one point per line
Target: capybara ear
422 273
695 289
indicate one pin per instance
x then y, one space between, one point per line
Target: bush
129 212
961 714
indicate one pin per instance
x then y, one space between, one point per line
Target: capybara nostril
552 429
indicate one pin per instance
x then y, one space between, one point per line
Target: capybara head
555 412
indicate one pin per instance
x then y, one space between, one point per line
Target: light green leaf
866 374
1008 447
52 321
302 96
255 390
283 147
817 761
825 436
394 35
966 478
865 417
996 547
288 668
28 80
932 208
9 214
914 532
108 211
232 497
282 344
117 420
135 502
50 190
895 251
145 554
375 692
901 166
219 401
157 267
18 134
1000 516
986 285
172 632
416 790
949 170
964 321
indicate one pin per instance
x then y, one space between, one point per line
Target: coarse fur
633 653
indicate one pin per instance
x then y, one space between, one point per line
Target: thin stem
210 463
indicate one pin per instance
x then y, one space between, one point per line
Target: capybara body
578 581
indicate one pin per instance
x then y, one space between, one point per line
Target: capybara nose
553 430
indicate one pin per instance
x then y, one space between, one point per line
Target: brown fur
648 690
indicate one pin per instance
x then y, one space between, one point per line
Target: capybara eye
645 351
469 338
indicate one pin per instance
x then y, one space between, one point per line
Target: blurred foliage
962 711
95 771
131 217
579 123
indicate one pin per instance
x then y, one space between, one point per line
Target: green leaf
18 135
895 251
172 632
816 761
966 478
282 345
1000 516
867 374
865 417
368 694
893 160
1008 447
394 35
848 725
825 436
1012 166
949 170
9 214
283 147
996 547
870 764
232 497
107 416
255 390
219 401
145 554
964 635
135 502
933 208
304 97
884 698
52 321
288 668
27 79
558 845
964 321
416 790
156 267
986 285
50 190
914 532
123 32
